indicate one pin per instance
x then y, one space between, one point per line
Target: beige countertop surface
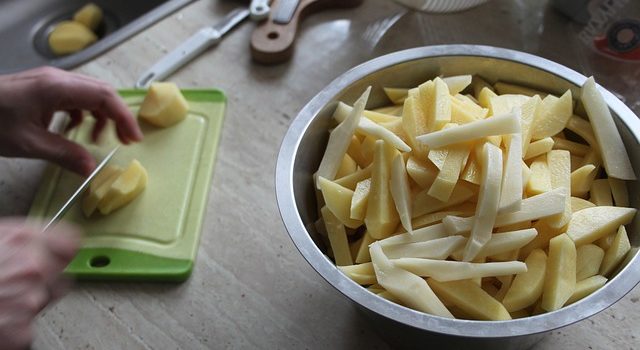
250 287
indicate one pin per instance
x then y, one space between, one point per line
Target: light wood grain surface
250 287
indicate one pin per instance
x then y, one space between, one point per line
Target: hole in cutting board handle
99 261
273 35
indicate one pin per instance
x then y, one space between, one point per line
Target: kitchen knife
81 188
194 46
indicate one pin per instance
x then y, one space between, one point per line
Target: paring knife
82 187
194 46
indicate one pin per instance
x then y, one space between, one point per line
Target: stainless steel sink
26 24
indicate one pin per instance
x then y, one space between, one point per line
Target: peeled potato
90 15
164 105
99 188
68 37
125 188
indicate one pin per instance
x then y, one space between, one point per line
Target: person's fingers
101 123
70 92
75 118
62 241
40 143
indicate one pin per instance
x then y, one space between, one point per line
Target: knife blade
190 49
81 188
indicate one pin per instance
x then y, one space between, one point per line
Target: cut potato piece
508 241
497 125
410 289
351 181
99 188
381 217
541 241
423 173
526 288
504 104
505 88
339 140
362 256
601 193
447 178
511 188
438 157
581 180
588 260
423 203
420 235
586 287
583 129
337 238
90 15
540 179
578 204
539 147
445 270
338 200
575 148
164 106
616 252
488 201
560 277
619 192
347 166
478 84
126 187
464 111
590 224
368 127
436 103
529 111
485 96
359 200
457 83
362 274
471 299
400 191
532 208
559 162
554 115
614 155
68 37
414 123
471 172
396 95
356 153
439 248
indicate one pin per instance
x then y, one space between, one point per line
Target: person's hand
28 101
31 265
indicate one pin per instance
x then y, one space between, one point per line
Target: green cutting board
156 236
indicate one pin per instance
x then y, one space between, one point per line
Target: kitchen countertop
250 287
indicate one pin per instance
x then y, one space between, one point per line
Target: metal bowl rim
614 290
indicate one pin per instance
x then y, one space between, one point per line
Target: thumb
61 151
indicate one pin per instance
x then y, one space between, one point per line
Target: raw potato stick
497 125
614 155
339 140
412 290
445 270
488 201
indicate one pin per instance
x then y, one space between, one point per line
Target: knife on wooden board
273 40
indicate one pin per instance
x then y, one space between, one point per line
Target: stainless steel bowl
304 143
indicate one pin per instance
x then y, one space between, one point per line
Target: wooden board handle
273 43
